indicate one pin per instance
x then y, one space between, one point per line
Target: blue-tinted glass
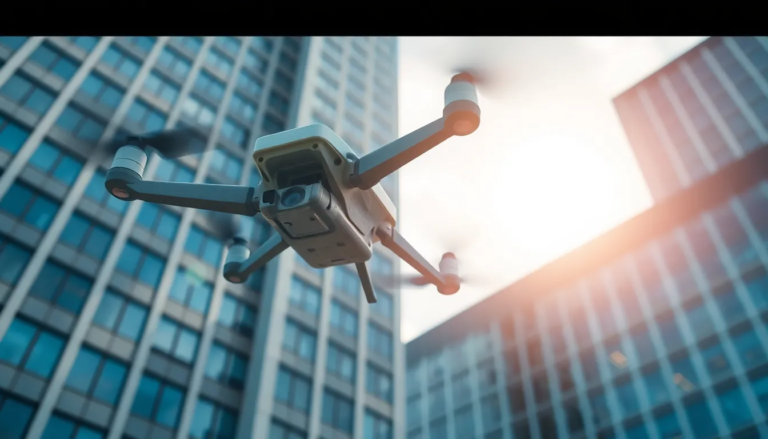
108 311
65 68
627 398
76 229
87 433
700 419
45 156
655 387
165 335
213 251
16 200
45 354
16 88
12 136
187 346
13 260
50 280
133 322
69 119
15 342
110 382
129 259
227 311
73 293
111 97
39 101
84 370
202 421
637 432
668 427
226 424
85 43
179 287
147 215
167 226
98 242
13 43
283 386
92 85
684 376
170 407
201 296
41 214
715 361
735 410
67 170
194 240
144 401
730 307
58 428
14 417
151 270
701 323
749 349
217 358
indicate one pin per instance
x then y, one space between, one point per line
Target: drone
323 200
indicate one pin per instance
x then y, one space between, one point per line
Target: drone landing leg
365 279
265 253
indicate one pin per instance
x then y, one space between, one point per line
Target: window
121 62
279 431
59 427
272 124
329 63
188 290
491 411
262 43
730 307
141 264
465 425
161 88
176 340
305 296
233 132
299 340
655 386
157 401
175 62
209 86
325 107
378 383
97 376
230 44
379 340
382 265
343 319
102 91
15 415
54 162
146 117
700 419
237 315
377 426
760 386
121 316
51 59
749 348
85 43
30 348
327 84
715 361
667 426
98 193
278 103
61 287
240 106
86 236
627 398
340 362
287 62
212 421
699 319
255 62
225 366
735 409
293 390
13 260
12 136
201 113
346 281
27 94
29 206
338 411
249 84
192 44
384 305
142 43
172 171
158 221
81 126
13 43
204 246
284 81
332 46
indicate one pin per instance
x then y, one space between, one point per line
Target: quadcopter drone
320 198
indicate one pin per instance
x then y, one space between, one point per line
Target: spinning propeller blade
170 144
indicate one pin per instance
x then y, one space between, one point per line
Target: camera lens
292 196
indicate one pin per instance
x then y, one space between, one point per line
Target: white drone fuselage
306 195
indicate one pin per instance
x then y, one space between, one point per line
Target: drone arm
365 279
393 240
374 166
265 253
237 200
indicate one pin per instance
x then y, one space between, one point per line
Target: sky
549 168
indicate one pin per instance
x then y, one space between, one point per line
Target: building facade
115 320
656 329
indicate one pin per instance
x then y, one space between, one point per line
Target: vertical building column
32 269
550 367
321 349
744 61
498 363
72 348
361 366
209 328
525 372
122 411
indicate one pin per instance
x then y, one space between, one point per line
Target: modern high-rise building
656 329
115 321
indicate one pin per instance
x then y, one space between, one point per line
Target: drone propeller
234 229
170 144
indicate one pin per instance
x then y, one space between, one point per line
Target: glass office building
115 320
658 328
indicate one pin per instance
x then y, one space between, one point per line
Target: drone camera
461 111
301 211
127 167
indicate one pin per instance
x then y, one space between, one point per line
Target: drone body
321 199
